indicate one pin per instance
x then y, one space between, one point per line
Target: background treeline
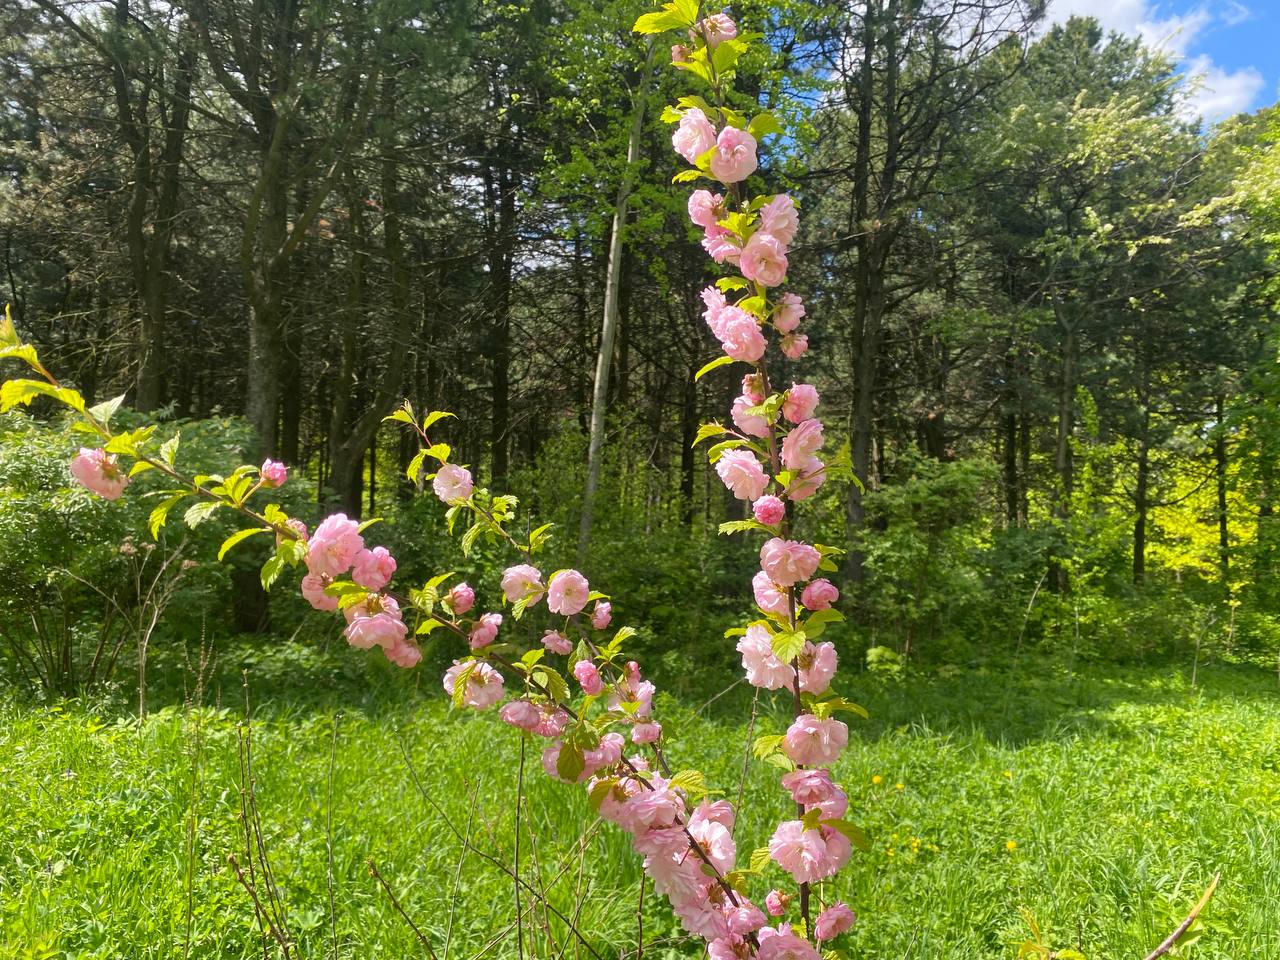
1042 313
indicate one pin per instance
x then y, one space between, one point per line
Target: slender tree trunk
1141 499
609 322
1062 459
1220 475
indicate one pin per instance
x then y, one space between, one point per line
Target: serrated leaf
763 124
539 538
141 466
760 859
14 392
713 365
781 761
707 431
857 836
198 513
271 570
439 451
555 684
237 537
741 526
434 417
692 782
570 763
160 514
415 466
788 644
368 523
460 683
169 449
469 538
403 415
717 451
767 745
687 176
104 411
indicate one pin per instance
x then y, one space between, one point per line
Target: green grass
1124 794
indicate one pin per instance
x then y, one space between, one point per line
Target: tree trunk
609 322
1141 499
1220 475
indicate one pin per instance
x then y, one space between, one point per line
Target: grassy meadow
1099 805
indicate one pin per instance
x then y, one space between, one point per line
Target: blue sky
1232 46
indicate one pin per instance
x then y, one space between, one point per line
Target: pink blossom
460 599
776 903
809 787
485 631
819 595
484 684
835 807
814 742
753 388
522 582
800 403
810 475
694 136
313 585
602 615
764 259
795 345
769 597
714 312
763 667
452 483
334 546
370 604
735 156
607 754
273 473
732 947
833 921
648 732
373 568
788 313
751 424
722 246
705 208
787 562
382 627
404 654
568 593
799 851
746 918
769 510
556 642
633 691
716 842
817 667
714 30
99 472
720 811
553 721
646 809
679 54
522 714
740 335
742 474
779 218
784 943
801 443
588 675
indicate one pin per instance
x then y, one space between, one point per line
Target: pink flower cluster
773 461
336 549
99 472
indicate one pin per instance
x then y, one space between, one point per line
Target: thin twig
422 937
328 836
1183 927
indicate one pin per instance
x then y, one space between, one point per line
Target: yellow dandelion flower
877 779
1011 845
898 786
1008 774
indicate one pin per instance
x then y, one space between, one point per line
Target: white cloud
1213 92
1216 94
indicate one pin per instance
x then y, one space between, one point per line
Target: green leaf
554 683
434 417
169 449
760 859
672 16
104 411
857 836
692 782
670 114
415 466
727 284
687 176
781 761
141 466
713 365
539 537
788 644
198 513
236 537
460 683
740 526
271 570
469 538
429 625
402 415
570 763
161 513
707 431
440 451
14 392
763 124
715 453
368 523
767 745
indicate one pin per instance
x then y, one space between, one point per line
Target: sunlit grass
1103 806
